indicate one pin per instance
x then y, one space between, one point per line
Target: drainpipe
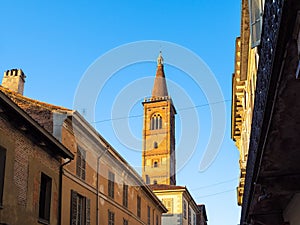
60 189
97 180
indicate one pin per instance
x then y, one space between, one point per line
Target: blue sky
55 42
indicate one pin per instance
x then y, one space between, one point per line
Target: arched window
156 122
147 179
155 182
155 145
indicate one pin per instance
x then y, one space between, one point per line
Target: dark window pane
45 197
148 215
111 182
125 195
2 172
138 206
111 218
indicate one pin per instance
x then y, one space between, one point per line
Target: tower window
155 145
147 179
155 164
156 122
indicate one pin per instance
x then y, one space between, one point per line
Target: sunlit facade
244 83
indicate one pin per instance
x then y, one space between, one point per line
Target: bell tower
158 157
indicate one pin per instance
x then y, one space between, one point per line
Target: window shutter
73 207
256 14
83 169
88 211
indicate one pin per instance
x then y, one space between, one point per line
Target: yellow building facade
243 88
182 209
265 112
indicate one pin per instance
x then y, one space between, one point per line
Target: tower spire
160 85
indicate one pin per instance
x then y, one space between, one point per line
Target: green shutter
73 207
87 211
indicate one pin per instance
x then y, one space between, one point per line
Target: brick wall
24 163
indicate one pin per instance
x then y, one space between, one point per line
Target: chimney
14 80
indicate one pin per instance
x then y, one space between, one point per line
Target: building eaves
7 105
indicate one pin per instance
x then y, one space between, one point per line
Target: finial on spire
160 59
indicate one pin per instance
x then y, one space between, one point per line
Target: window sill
43 221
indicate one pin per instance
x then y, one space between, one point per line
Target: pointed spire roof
160 85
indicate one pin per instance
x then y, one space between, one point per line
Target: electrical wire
217 193
215 184
181 109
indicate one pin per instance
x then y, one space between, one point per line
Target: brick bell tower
158 159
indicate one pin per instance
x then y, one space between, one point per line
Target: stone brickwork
25 161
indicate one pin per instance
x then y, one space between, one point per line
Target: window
157 222
184 209
148 215
194 219
155 182
80 209
80 163
111 218
45 198
111 184
138 206
125 222
147 179
125 195
2 172
256 17
189 216
155 164
156 122
155 145
168 203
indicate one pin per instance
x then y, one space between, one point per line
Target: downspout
97 189
60 189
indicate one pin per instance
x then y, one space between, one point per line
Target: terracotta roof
39 111
165 187
18 98
160 86
18 116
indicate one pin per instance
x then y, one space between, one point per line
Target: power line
217 193
215 184
181 109
203 105
118 118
